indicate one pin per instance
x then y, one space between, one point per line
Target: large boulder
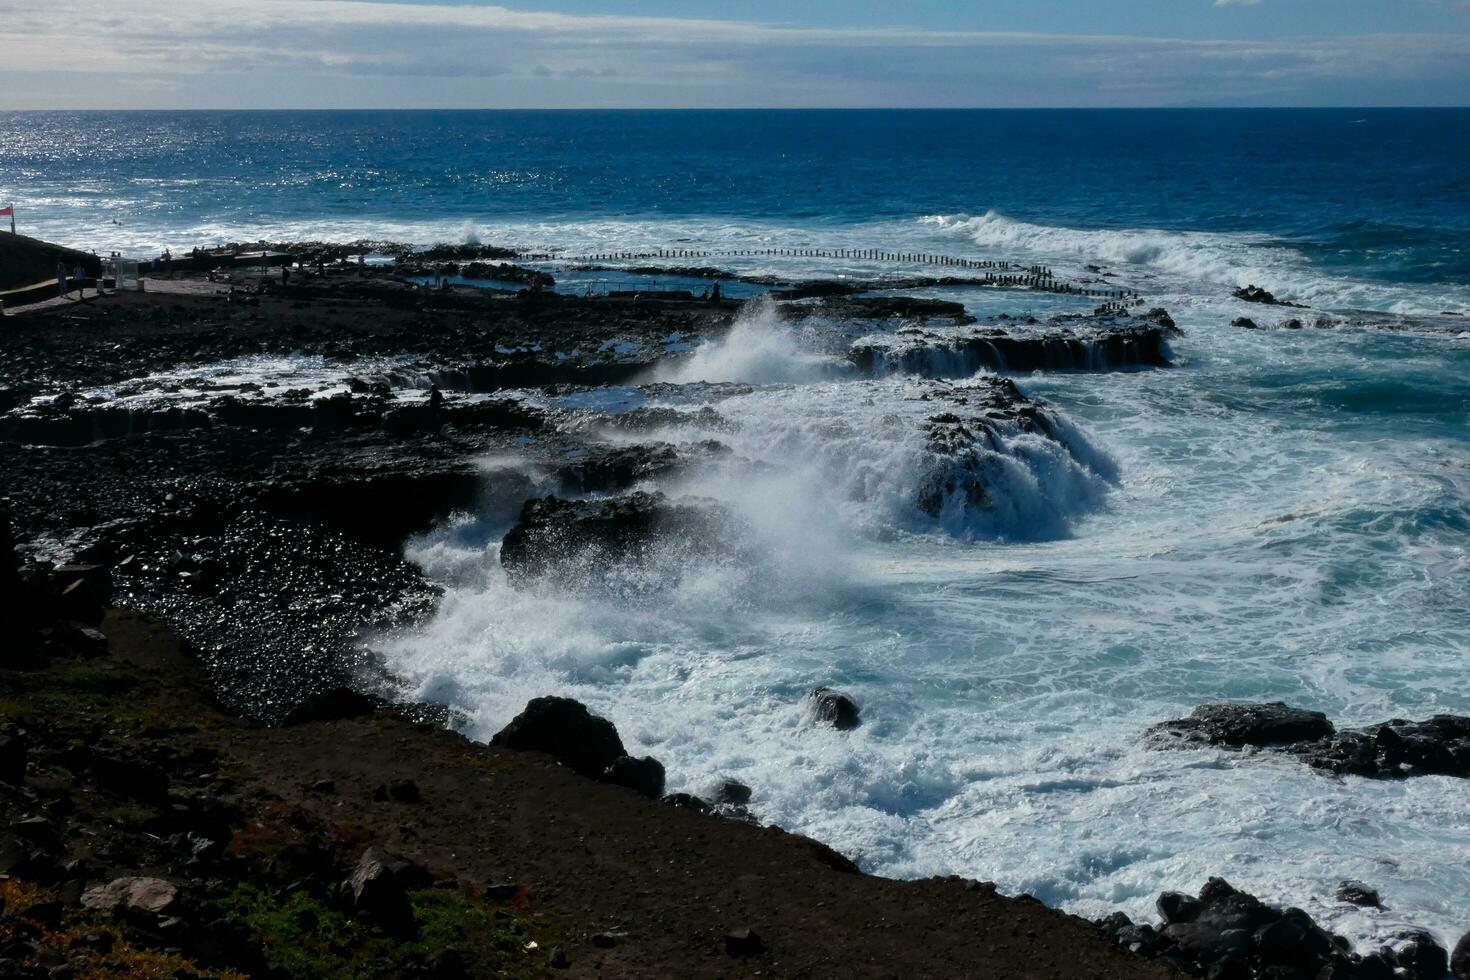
1239 725
581 741
1227 933
1460 958
379 886
1397 748
834 708
565 729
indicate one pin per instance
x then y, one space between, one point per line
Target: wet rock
743 942
566 730
732 792
1439 745
833 708
153 895
614 468
1244 322
1176 907
1255 294
1421 957
1238 725
1067 346
1225 934
645 775
685 801
634 543
1460 958
1357 893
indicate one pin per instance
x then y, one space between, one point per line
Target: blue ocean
1283 515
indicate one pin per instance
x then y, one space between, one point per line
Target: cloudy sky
689 53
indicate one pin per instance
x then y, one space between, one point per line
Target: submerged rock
1439 745
1239 725
634 543
834 708
1357 893
1255 294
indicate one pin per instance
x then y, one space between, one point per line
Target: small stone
324 786
558 959
743 942
502 892
604 940
140 894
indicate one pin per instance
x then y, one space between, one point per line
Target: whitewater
1282 515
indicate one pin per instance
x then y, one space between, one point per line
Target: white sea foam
1271 534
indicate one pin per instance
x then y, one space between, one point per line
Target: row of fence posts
1033 277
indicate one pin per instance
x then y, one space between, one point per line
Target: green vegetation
307 938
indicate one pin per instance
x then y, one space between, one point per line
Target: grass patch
308 938
110 953
103 682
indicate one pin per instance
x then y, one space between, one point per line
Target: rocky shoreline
211 484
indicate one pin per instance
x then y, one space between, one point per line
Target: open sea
1284 515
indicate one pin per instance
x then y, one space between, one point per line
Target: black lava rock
565 729
834 708
645 775
1238 725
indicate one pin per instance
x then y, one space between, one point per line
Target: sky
739 53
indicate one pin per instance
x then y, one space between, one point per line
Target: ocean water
1283 515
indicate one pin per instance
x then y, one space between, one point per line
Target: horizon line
751 108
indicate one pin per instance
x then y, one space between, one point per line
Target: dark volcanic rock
834 708
1244 322
635 543
1421 957
1106 345
972 425
732 792
379 886
565 729
1357 893
1239 725
1439 745
645 775
1460 958
1225 933
1255 294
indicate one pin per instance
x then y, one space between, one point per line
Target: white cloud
306 52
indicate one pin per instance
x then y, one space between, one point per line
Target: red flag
9 210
